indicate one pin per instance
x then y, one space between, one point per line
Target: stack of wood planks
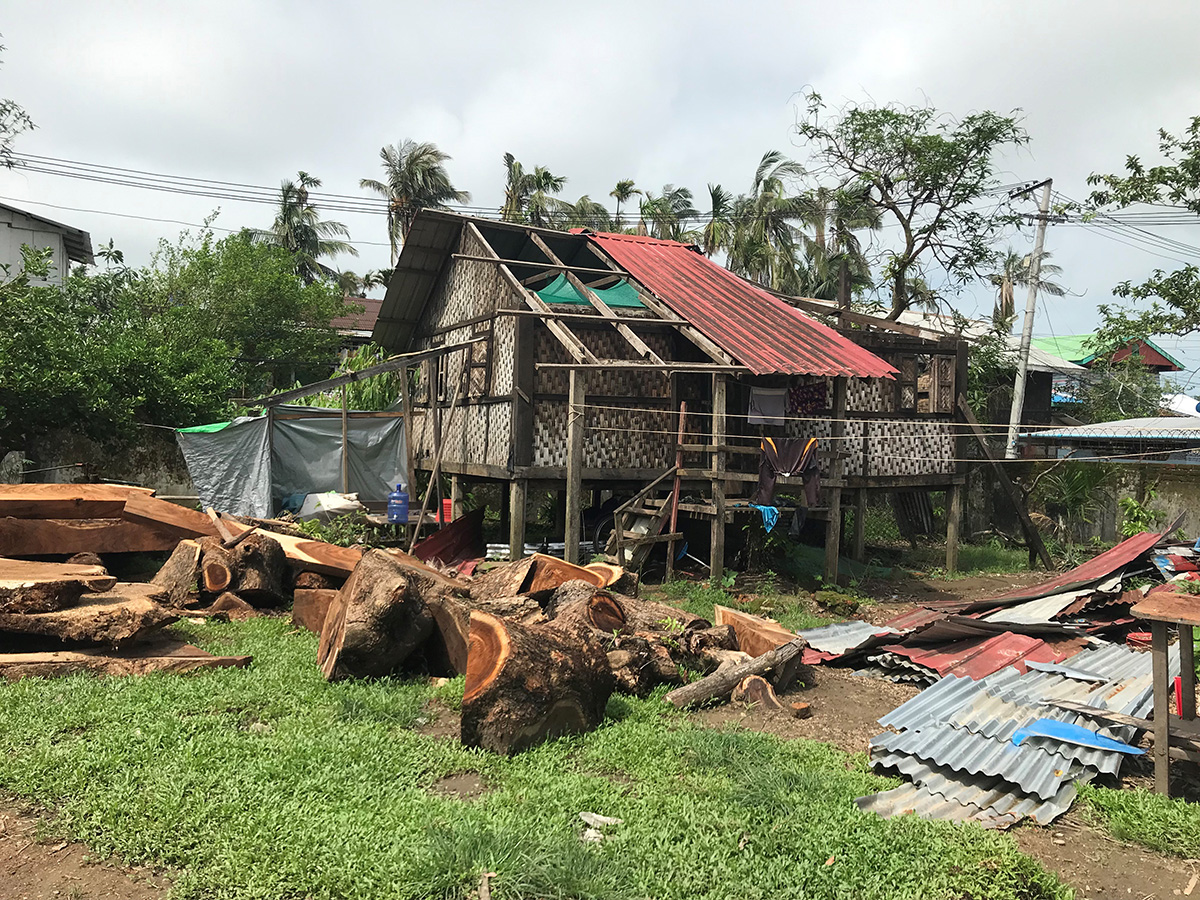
64 519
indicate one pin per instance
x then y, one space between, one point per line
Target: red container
1138 639
447 510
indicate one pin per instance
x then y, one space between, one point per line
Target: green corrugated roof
561 291
1072 347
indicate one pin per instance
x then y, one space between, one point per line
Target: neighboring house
356 326
19 227
1074 347
612 334
1157 439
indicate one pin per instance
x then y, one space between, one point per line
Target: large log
30 587
649 615
507 580
65 501
378 619
583 604
306 554
316 581
310 606
141 659
179 574
130 612
448 646
528 684
721 683
549 572
260 564
63 537
617 579
640 663
218 568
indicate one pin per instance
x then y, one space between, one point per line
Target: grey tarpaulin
238 468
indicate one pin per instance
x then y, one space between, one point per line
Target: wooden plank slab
174 657
755 634
63 537
1168 606
66 501
129 612
28 587
309 606
164 514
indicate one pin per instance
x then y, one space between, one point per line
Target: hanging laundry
770 516
798 457
807 399
768 406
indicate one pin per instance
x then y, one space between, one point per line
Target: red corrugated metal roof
762 332
976 657
359 321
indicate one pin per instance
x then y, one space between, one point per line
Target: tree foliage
931 173
1173 297
13 121
1119 390
299 229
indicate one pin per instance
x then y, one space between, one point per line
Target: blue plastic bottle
397 512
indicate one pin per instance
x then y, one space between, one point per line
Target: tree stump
756 691
528 684
260 567
583 604
178 575
217 566
377 620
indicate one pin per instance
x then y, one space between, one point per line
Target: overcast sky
686 93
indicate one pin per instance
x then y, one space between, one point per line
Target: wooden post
859 546
406 409
517 490
435 402
676 489
954 515
575 425
455 498
1187 671
717 552
1162 707
345 444
833 524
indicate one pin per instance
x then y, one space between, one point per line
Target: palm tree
583 213
1014 272
527 195
764 246
298 228
623 192
414 178
835 214
718 230
668 214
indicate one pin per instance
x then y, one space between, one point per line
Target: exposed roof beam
390 365
536 264
660 309
636 365
601 307
566 337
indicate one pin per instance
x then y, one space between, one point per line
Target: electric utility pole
1035 265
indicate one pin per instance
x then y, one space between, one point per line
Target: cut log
648 615
528 684
260 564
617 579
62 537
141 659
549 572
640 665
86 559
309 607
377 620
303 553
218 569
448 650
583 604
129 612
756 691
719 685
31 587
316 581
507 580
524 609
65 501
800 709
179 574
167 515
232 607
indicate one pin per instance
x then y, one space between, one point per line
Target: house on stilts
584 361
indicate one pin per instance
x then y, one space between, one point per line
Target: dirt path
33 869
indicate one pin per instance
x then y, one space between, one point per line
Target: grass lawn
269 783
1170 826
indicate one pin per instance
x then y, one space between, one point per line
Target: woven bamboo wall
606 343
613 438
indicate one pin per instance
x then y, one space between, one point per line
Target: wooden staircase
639 523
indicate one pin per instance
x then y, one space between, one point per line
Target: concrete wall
154 461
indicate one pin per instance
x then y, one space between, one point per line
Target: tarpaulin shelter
249 465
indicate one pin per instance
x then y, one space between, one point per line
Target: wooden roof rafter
570 341
601 307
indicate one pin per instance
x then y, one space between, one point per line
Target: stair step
633 536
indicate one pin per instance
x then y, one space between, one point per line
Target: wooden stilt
518 488
954 515
675 491
833 525
345 444
1162 707
859 548
455 498
717 552
406 407
575 426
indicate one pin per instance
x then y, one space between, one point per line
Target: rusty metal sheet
976 657
761 331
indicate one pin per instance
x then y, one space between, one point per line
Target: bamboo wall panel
606 343
502 349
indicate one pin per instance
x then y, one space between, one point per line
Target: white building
68 244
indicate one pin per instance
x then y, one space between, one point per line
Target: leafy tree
928 171
13 121
835 215
667 215
528 196
1119 390
1013 273
991 373
622 193
415 177
299 229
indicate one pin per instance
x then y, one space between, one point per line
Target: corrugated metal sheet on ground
978 657
841 637
764 333
915 620
1044 609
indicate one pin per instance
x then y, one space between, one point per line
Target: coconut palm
298 228
414 177
718 230
1014 273
622 193
765 243
667 215
528 195
835 215
583 213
